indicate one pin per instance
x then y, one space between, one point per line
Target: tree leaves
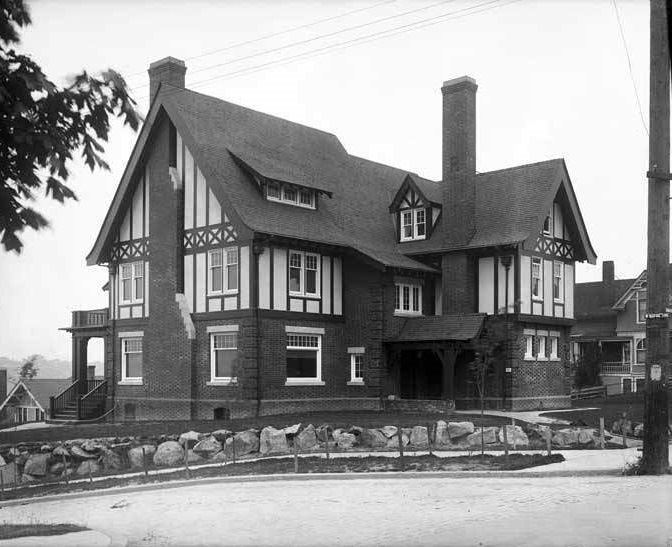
42 125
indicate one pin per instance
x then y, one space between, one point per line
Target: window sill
131 302
130 382
304 383
407 313
223 293
542 358
412 239
223 382
303 295
554 359
356 383
528 358
538 299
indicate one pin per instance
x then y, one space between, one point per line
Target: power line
632 76
314 38
276 34
457 14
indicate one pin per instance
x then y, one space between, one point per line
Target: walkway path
531 416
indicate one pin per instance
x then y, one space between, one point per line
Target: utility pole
656 439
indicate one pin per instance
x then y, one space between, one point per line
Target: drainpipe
256 251
506 262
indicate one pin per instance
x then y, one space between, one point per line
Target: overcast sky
553 82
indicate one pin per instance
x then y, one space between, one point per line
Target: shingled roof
40 389
457 327
221 135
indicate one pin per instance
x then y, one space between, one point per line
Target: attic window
293 195
413 224
548 222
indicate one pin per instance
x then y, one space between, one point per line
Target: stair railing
63 399
92 404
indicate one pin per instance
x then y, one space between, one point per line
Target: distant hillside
47 368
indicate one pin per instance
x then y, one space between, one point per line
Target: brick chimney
459 158
608 271
168 70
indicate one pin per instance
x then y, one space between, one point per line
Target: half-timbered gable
415 209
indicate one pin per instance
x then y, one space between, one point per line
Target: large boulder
419 437
207 447
292 429
638 430
169 453
36 465
9 473
246 442
273 441
460 429
372 438
92 445
324 433
110 460
564 438
60 452
441 434
588 436
345 440
190 438
306 439
135 455
222 434
389 431
88 467
194 458
515 436
77 452
489 437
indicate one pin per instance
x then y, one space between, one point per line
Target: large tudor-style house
255 267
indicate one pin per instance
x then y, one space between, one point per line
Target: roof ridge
413 173
520 166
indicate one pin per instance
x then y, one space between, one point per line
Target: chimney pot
608 270
168 70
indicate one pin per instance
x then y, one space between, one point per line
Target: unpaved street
574 511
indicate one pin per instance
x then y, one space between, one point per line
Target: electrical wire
632 76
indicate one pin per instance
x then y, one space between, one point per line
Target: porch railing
64 399
89 318
92 404
612 367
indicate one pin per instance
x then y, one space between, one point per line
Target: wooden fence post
2 483
65 471
429 438
326 441
513 441
296 455
144 462
401 447
506 443
548 443
602 443
89 469
186 458
233 448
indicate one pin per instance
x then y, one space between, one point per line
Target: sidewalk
86 538
531 416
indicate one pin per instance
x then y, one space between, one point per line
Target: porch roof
458 327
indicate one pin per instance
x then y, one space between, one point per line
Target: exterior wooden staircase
84 400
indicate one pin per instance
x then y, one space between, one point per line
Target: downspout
256 251
506 262
113 324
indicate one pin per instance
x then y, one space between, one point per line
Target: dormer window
293 195
413 223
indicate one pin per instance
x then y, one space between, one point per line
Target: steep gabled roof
511 205
427 191
634 286
597 298
39 390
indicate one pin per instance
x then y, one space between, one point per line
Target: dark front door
421 375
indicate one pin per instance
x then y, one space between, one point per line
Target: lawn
147 429
611 409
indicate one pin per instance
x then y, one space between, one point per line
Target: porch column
80 361
448 362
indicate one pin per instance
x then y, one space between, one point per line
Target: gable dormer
415 214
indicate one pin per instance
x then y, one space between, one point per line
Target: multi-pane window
357 367
536 278
554 347
408 298
304 358
132 281
413 224
131 365
287 193
304 274
529 346
641 307
223 270
557 281
640 350
223 355
541 347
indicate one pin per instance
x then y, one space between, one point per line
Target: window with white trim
555 340
304 358
413 224
537 278
131 359
541 347
558 268
408 298
223 356
529 346
290 194
641 306
223 271
356 368
132 282
304 274
640 350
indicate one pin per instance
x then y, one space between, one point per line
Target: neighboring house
255 266
28 400
611 323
